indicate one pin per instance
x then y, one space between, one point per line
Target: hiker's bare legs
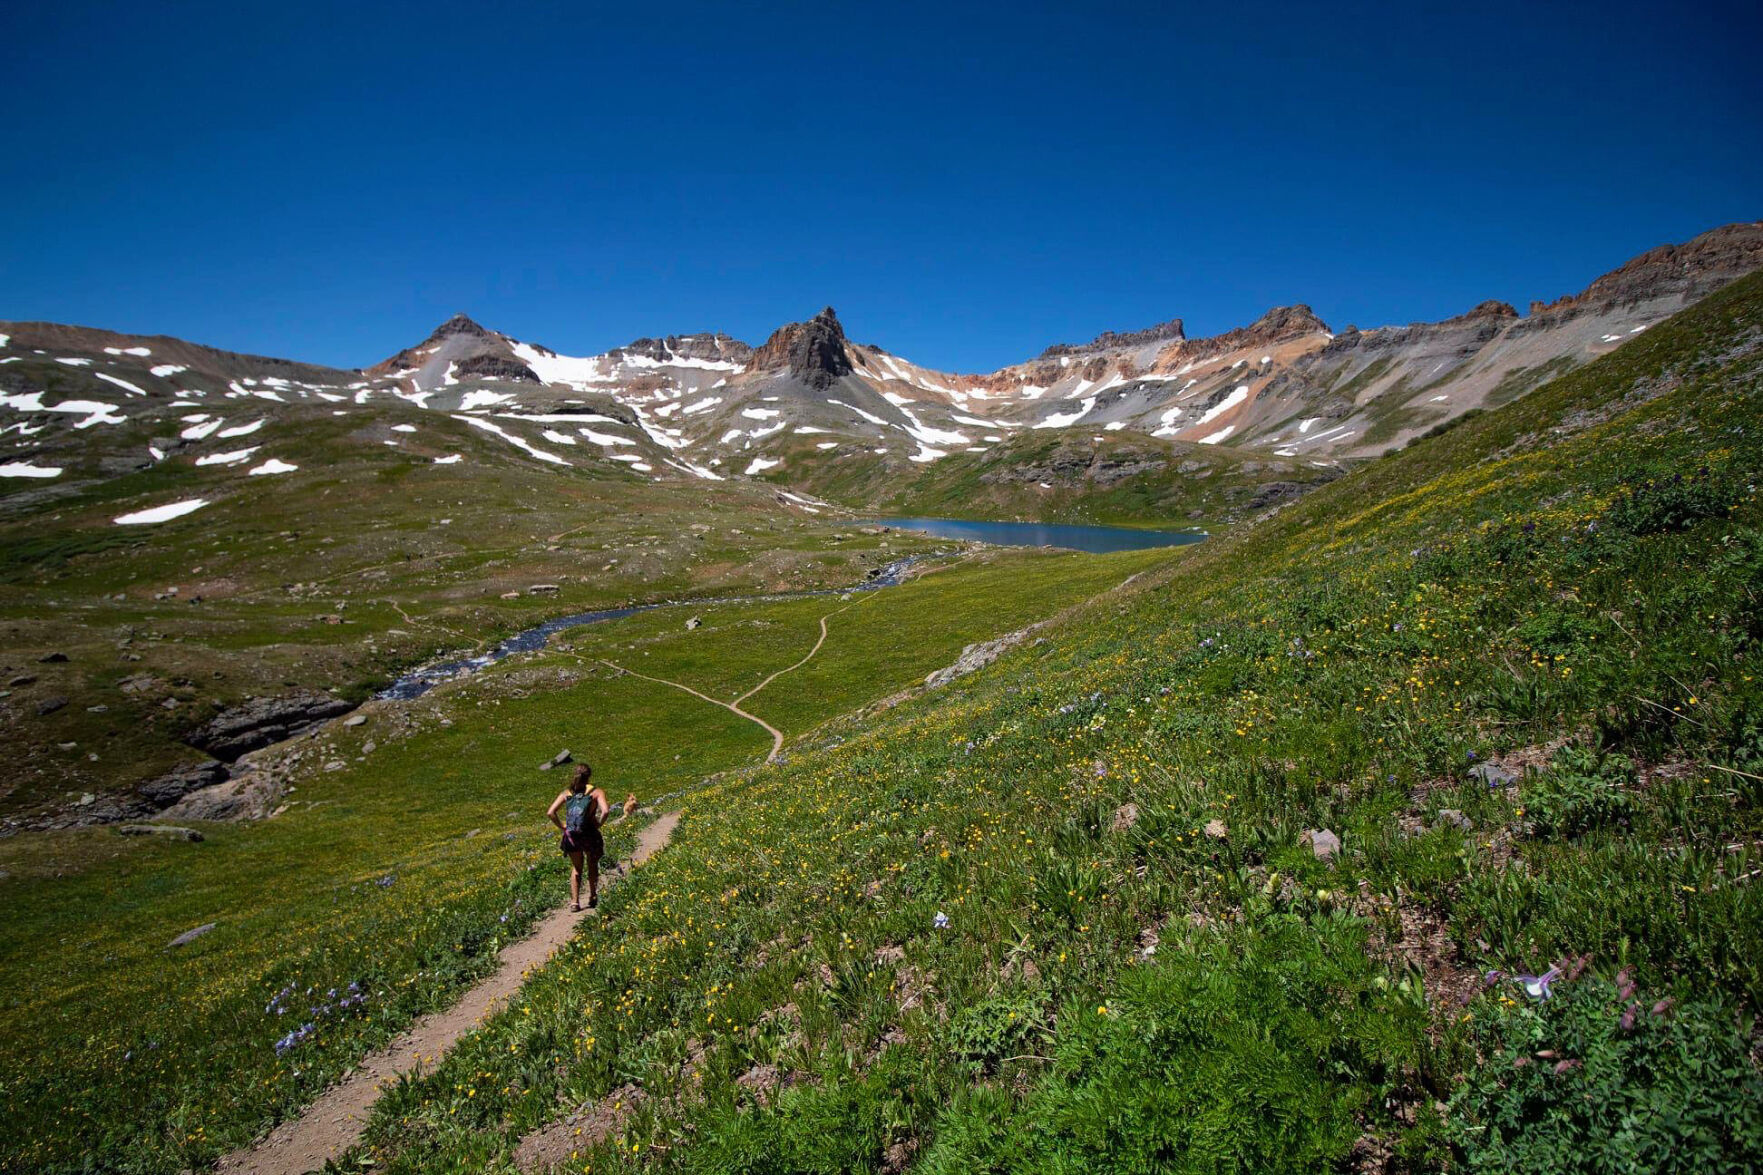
575 881
593 880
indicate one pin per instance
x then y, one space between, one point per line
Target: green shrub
1268 1048
1580 791
1595 1080
1005 1027
1657 506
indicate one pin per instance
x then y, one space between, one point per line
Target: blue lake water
1097 540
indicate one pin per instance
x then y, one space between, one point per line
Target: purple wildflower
1537 986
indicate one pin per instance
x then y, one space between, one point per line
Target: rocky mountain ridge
811 409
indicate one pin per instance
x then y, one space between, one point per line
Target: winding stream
1094 539
424 678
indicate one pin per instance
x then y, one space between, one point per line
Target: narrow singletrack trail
804 660
333 1123
777 736
734 707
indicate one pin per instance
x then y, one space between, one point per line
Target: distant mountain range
810 409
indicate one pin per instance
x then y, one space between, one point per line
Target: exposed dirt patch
594 1123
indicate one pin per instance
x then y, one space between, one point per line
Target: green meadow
1565 589
404 870
1413 827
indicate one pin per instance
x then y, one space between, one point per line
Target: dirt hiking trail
734 707
334 1123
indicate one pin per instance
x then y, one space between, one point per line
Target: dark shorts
588 841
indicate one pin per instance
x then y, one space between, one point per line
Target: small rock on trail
1323 843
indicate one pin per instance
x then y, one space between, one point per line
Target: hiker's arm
602 804
551 812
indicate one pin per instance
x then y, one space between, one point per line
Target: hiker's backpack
576 812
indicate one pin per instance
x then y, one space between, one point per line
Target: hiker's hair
579 781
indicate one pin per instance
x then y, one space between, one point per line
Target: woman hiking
584 810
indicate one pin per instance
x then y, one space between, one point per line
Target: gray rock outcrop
263 721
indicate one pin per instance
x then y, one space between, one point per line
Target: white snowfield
491 426
1237 396
240 430
450 459
233 458
142 352
605 439
760 465
1066 419
167 370
483 399
124 384
272 466
94 411
161 513
26 469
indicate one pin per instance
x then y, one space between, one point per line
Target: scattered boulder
190 936
1323 843
557 760
1494 775
263 721
1125 817
52 659
173 786
694 622
355 720
23 680
251 796
515 595
1453 816
977 656
50 705
166 831
543 589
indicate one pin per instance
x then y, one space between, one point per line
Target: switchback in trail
734 707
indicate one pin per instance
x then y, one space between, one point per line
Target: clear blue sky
966 184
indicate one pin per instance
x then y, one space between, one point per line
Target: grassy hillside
412 848
369 559
1064 915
